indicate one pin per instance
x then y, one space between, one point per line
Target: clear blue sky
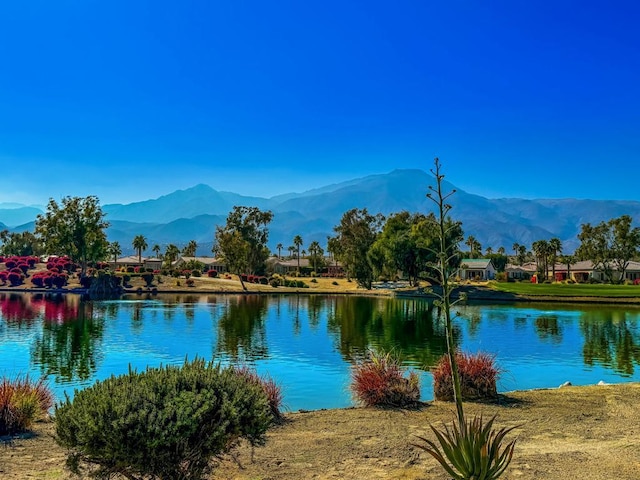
133 99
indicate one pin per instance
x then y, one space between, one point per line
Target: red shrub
212 274
10 264
478 375
15 279
380 381
22 401
269 386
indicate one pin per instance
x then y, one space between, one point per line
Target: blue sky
129 100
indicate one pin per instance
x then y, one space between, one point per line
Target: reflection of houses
520 272
210 263
476 269
133 261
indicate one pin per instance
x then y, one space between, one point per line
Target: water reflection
305 339
241 328
69 347
611 338
411 327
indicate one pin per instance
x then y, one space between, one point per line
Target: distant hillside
193 214
18 215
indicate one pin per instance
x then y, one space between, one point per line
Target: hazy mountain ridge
193 213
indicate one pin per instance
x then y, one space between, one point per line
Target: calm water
309 342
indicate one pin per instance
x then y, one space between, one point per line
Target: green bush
163 423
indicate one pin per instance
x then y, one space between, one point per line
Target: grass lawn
569 290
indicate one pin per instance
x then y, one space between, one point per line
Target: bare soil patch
584 433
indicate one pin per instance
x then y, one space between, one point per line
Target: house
476 269
584 270
520 272
210 263
134 261
287 266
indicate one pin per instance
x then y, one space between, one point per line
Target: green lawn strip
568 290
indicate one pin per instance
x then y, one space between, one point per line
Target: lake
308 342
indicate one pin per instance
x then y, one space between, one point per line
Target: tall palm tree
501 250
292 250
516 250
171 253
115 251
279 247
489 251
568 260
190 249
156 250
541 250
555 248
522 254
139 244
315 250
297 241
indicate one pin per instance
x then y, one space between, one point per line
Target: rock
602 382
565 384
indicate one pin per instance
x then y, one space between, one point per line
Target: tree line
368 246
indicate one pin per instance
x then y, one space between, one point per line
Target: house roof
204 260
475 263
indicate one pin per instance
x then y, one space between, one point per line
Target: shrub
271 389
501 277
166 422
148 279
196 273
85 282
15 279
334 283
59 280
263 280
379 381
313 280
478 374
22 401
190 282
130 270
471 449
212 274
38 281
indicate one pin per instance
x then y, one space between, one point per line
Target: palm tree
171 253
297 241
489 251
501 251
292 250
139 244
522 254
516 250
190 249
541 250
315 250
279 247
555 248
115 251
568 260
156 250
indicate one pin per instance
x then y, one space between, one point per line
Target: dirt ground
583 433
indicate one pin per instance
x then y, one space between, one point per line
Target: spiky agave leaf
471 450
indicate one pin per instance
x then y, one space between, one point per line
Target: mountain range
193 213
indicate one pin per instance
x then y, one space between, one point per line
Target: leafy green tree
139 244
356 233
610 246
20 244
75 228
190 249
406 243
242 241
114 251
297 241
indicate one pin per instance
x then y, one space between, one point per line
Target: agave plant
471 450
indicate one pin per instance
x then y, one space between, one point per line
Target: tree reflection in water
69 346
410 327
241 328
548 328
611 338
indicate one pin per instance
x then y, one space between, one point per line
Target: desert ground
585 433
